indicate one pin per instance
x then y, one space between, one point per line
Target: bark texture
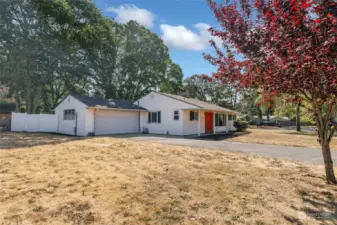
329 169
298 117
325 132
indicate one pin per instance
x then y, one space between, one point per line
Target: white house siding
231 125
167 106
220 129
142 120
116 122
67 126
191 127
89 120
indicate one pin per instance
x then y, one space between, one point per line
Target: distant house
157 113
6 109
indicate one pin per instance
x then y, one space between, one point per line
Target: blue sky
182 24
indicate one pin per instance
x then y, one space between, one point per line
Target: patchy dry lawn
281 137
61 180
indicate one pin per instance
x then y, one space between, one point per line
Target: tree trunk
268 117
329 170
259 116
36 99
17 102
29 102
325 133
298 117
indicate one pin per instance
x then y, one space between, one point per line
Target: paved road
310 155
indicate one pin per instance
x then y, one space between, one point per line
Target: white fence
34 122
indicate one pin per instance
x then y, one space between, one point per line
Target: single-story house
156 113
178 115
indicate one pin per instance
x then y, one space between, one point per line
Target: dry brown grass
281 137
117 181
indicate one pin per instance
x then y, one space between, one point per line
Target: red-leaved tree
283 47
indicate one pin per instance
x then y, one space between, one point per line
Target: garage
87 116
116 122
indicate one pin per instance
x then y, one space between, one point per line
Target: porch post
214 123
227 123
198 122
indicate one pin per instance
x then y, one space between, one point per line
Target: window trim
195 116
69 114
231 117
158 117
174 115
217 119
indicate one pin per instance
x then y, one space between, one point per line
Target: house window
220 120
154 117
231 117
69 114
193 115
176 115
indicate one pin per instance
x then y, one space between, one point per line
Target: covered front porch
207 122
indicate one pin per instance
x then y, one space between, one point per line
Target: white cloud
127 12
206 35
182 38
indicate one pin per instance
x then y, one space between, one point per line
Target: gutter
212 110
118 109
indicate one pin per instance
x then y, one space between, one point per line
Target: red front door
208 122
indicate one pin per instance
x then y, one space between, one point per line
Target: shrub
240 125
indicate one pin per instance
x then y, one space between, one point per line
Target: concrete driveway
309 155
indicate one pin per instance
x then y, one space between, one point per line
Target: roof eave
168 96
118 109
213 110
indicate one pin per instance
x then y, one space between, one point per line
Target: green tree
197 87
267 104
173 79
50 48
301 111
249 104
79 20
32 59
136 64
215 91
25 47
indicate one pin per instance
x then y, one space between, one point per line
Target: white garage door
116 122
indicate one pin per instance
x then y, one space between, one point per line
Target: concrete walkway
309 155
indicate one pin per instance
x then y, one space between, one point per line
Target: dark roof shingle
198 103
108 103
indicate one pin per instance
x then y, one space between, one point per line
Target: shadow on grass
319 203
222 136
206 137
11 140
312 134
